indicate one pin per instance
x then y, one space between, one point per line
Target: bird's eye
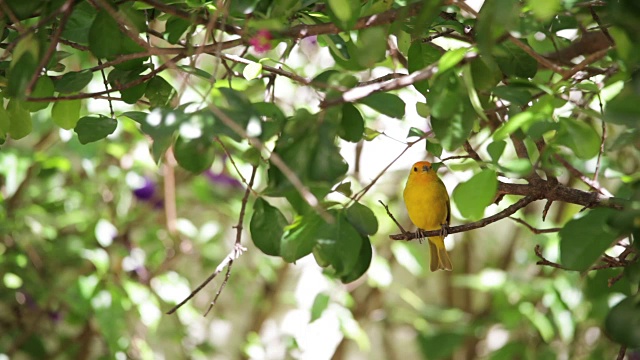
415 169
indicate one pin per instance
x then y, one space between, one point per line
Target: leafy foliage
172 104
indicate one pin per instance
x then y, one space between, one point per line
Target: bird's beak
425 168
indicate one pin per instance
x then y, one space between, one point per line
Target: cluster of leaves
515 106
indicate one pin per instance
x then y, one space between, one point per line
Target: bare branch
238 249
533 229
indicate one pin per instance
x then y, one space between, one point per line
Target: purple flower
146 191
222 179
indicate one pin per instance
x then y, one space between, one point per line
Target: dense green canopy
150 146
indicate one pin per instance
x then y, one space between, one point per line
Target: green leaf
252 70
623 109
338 46
495 149
43 88
23 65
105 37
385 103
5 122
513 94
195 155
494 19
346 12
450 59
452 113
20 120
583 240
362 218
544 10
174 28
79 23
267 226
513 61
421 55
415 132
72 82
520 120
94 128
474 195
362 264
159 92
351 124
440 345
434 149
339 243
327 164
300 237
579 137
370 49
623 322
320 304
66 113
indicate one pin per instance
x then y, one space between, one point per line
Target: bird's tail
439 256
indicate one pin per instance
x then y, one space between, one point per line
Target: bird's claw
444 230
420 235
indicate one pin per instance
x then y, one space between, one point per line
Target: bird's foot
444 230
420 235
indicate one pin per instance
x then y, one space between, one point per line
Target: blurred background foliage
131 130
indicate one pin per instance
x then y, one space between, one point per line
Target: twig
604 30
226 151
238 249
456 157
392 217
621 352
383 78
361 193
545 262
66 13
470 226
539 58
533 229
602 139
234 254
591 183
586 62
361 92
276 160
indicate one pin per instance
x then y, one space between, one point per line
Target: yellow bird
428 205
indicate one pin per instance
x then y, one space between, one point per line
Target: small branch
539 58
364 190
621 352
471 226
545 262
277 161
234 254
456 157
295 77
591 183
361 92
66 9
585 63
381 79
604 30
238 249
533 229
392 217
602 140
609 262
